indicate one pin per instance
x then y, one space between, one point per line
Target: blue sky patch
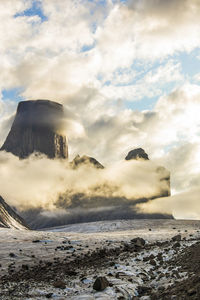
87 48
99 2
12 94
34 10
190 63
144 104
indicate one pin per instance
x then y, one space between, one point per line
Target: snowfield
64 262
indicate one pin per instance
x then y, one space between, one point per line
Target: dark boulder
138 242
59 284
100 284
176 238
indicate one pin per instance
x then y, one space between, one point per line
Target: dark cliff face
138 153
9 218
36 128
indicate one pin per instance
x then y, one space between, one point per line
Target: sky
127 73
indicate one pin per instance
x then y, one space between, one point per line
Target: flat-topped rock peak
37 127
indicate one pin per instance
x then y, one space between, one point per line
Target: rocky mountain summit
138 153
37 127
100 203
81 160
9 218
135 154
163 173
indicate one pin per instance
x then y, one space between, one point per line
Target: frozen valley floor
141 259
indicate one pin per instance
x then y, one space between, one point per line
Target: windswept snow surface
125 268
134 226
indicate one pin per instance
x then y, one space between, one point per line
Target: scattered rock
191 292
142 290
49 295
71 273
176 245
152 262
159 256
176 238
12 254
151 256
100 283
138 242
59 284
25 267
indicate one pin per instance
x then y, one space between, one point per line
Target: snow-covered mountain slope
9 218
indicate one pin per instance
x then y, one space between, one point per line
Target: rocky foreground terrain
136 259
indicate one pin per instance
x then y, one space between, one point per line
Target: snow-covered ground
125 269
141 226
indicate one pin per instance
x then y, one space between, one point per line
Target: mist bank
53 189
182 204
39 218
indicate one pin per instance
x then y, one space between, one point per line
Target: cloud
37 182
150 84
197 77
46 58
148 30
184 163
182 206
7 113
93 58
110 130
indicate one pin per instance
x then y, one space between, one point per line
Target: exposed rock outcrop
87 160
9 218
138 153
37 128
